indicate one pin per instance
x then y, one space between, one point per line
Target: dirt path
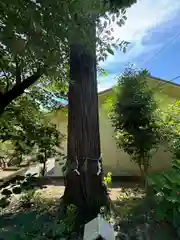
55 189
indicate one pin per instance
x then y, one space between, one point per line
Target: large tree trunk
86 190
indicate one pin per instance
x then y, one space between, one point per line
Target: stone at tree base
98 227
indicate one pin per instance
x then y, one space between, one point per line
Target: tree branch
18 72
17 90
7 79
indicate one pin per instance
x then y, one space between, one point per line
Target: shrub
170 127
108 180
16 189
48 141
41 222
16 180
4 202
166 188
45 227
69 222
26 199
6 192
24 183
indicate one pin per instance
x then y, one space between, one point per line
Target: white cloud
142 17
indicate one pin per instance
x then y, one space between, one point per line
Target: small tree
24 132
134 119
17 128
48 140
21 149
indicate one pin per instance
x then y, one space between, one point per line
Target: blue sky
150 26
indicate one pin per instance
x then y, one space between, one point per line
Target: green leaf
125 18
110 51
105 24
123 11
113 18
119 24
124 49
178 162
122 22
172 199
104 74
118 14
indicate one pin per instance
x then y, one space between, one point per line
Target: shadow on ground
38 222
42 221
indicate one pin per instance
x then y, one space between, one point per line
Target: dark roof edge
156 78
109 89
166 81
106 90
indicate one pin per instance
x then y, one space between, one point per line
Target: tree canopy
33 45
35 37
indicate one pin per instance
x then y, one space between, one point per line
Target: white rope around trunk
99 170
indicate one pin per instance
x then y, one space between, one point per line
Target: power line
170 81
157 53
165 82
162 49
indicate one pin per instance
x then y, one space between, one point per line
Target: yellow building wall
115 160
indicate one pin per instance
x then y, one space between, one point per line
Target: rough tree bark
86 190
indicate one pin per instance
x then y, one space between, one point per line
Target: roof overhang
156 84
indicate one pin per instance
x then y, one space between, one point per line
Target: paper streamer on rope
77 165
